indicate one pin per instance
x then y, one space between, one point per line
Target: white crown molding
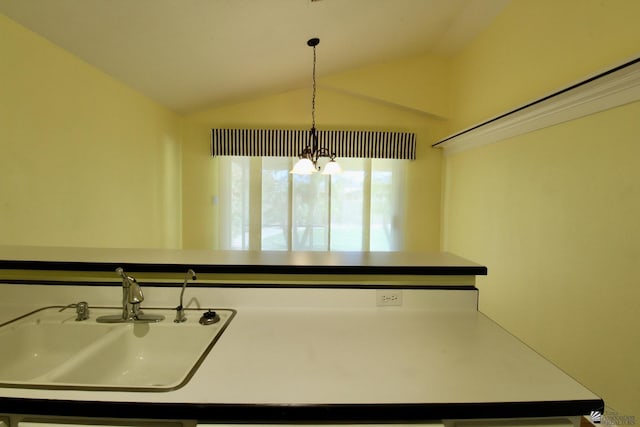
611 89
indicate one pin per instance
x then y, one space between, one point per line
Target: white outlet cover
388 297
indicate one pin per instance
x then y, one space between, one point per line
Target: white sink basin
32 348
49 349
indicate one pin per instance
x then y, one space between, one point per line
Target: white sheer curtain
264 207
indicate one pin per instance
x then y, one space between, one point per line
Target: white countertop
368 356
281 262
180 256
436 348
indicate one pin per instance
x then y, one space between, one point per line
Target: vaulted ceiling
189 54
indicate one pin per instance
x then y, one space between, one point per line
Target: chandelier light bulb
332 168
304 167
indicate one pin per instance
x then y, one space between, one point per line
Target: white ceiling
190 54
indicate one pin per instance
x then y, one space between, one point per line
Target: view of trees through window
267 208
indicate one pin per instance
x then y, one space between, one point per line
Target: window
264 207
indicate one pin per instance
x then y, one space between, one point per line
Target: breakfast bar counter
367 353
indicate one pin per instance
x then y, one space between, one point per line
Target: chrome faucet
132 296
180 317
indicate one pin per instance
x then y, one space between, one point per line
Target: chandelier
307 163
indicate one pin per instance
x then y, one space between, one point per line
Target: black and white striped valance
289 143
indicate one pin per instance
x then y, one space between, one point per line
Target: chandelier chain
308 157
313 96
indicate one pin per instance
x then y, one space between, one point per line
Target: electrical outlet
388 297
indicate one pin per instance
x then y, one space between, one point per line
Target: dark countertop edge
228 285
246 269
301 413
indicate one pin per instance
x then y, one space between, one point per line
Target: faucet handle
135 293
82 310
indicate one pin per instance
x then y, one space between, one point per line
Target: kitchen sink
50 349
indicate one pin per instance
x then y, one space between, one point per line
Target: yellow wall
536 47
335 109
420 83
554 213
85 160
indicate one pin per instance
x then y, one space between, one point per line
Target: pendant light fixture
308 158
